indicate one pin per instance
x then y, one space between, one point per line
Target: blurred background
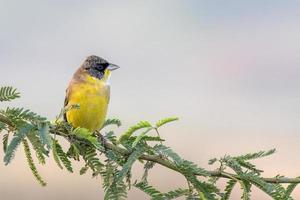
228 69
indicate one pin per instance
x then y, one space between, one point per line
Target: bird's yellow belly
93 102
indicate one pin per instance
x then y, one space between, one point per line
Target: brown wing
77 78
65 104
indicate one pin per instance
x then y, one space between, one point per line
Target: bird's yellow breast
92 95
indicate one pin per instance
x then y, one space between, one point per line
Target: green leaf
167 151
205 190
115 157
150 190
111 137
252 156
246 186
85 134
63 156
43 129
73 152
8 94
5 141
268 188
140 137
15 142
290 188
229 187
91 160
191 167
116 191
279 192
109 122
165 121
176 193
2 126
38 147
83 170
31 163
107 174
248 165
19 115
131 130
212 161
55 154
152 139
149 165
23 114
244 182
127 166
233 164
183 164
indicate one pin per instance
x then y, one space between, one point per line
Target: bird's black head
97 66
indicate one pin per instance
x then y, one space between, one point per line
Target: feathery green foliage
19 116
204 190
85 134
176 193
150 190
109 122
149 165
55 154
113 158
131 130
254 179
229 187
2 126
116 191
166 151
15 142
183 165
44 128
62 156
110 136
251 156
130 160
108 173
165 121
5 141
279 192
290 188
40 151
31 163
246 187
140 137
8 93
83 170
73 152
91 160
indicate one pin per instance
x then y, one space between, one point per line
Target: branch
166 163
162 161
122 153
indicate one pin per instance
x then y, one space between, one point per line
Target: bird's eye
99 67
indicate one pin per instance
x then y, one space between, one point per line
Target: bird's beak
112 67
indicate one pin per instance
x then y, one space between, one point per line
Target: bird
90 90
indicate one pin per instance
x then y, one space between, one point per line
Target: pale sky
228 69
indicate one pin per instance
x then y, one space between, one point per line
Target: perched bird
89 88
